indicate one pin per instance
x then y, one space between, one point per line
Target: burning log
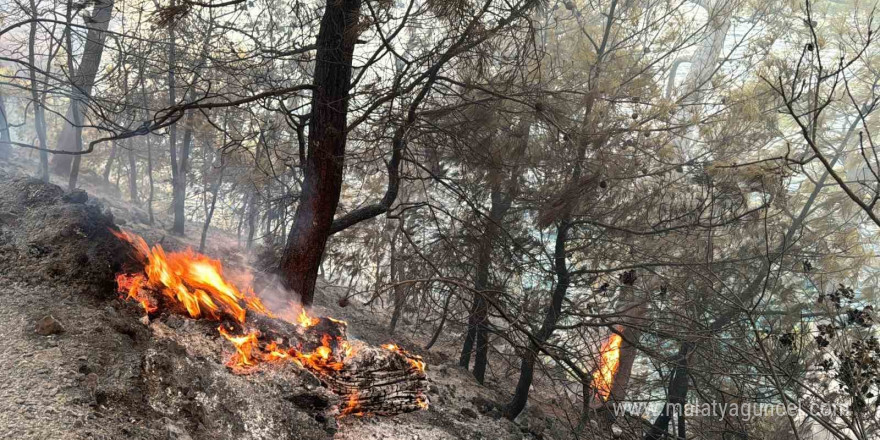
381 381
371 380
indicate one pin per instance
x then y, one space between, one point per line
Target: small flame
609 361
305 320
422 402
244 347
351 408
417 363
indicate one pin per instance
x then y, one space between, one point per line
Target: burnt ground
97 370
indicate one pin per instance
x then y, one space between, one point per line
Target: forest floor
109 375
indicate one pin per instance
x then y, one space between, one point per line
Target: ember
193 284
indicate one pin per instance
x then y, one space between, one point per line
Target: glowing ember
609 360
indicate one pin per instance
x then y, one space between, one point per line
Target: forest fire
194 285
609 361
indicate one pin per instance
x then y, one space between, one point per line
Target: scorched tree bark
322 174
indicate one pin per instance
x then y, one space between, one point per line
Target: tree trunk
527 368
172 101
634 309
395 271
215 187
252 218
39 109
478 329
82 83
500 205
210 212
145 102
679 381
109 165
178 194
180 159
132 177
322 180
5 138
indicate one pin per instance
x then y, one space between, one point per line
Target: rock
330 424
48 325
145 320
616 431
91 384
310 382
77 196
467 412
175 432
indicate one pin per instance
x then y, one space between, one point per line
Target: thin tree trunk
500 205
241 218
5 138
478 329
679 382
251 219
39 112
82 83
322 180
215 188
178 196
132 177
527 367
145 102
563 278
180 162
210 213
132 159
172 130
395 271
109 165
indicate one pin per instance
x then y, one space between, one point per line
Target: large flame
187 278
195 284
609 361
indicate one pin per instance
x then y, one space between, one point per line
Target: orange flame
187 278
351 408
195 283
305 320
244 347
609 361
417 363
